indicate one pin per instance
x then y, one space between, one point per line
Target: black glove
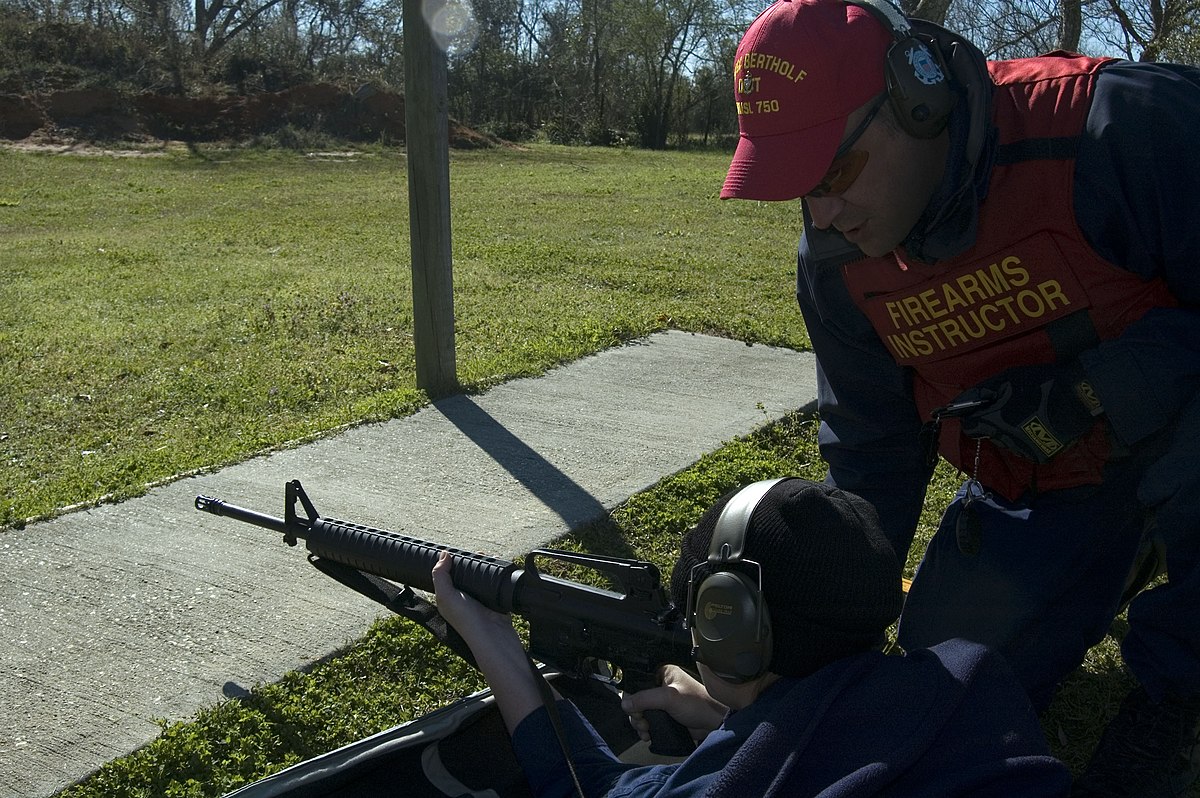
1035 411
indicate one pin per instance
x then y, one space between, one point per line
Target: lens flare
453 25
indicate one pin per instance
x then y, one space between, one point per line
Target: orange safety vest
1029 290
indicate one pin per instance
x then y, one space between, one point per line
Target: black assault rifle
581 630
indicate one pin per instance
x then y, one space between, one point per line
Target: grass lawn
168 313
184 310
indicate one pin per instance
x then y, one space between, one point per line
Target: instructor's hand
682 697
1036 411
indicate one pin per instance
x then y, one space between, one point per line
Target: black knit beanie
830 579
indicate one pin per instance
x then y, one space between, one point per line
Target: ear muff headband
918 82
731 628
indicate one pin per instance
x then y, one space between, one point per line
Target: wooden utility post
427 147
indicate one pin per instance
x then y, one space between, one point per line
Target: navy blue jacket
947 721
1137 200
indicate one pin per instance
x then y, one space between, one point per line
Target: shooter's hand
495 644
479 626
682 697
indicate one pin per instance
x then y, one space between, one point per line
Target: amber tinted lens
842 174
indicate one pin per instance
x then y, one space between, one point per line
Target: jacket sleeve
541 758
870 428
1137 199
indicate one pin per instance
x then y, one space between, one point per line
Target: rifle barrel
217 507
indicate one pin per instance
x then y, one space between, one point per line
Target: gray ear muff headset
731 628
918 82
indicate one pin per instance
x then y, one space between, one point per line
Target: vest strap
1040 149
1071 335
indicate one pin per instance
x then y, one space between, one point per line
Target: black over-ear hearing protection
917 79
731 628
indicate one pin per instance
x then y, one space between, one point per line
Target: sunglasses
847 163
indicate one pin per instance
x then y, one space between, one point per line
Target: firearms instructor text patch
973 306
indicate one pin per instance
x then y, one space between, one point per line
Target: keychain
968 529
932 429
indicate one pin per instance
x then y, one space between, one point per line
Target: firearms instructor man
1000 264
788 587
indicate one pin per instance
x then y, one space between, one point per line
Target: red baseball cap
801 69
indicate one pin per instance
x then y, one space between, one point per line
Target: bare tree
1020 28
933 10
1134 29
1146 27
1070 24
666 38
217 22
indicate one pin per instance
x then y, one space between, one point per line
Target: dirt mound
365 114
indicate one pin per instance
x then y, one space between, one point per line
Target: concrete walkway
118 616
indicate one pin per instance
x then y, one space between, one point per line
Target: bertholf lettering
770 63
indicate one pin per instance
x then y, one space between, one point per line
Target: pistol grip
668 737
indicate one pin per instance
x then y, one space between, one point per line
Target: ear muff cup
732 626
917 80
918 88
